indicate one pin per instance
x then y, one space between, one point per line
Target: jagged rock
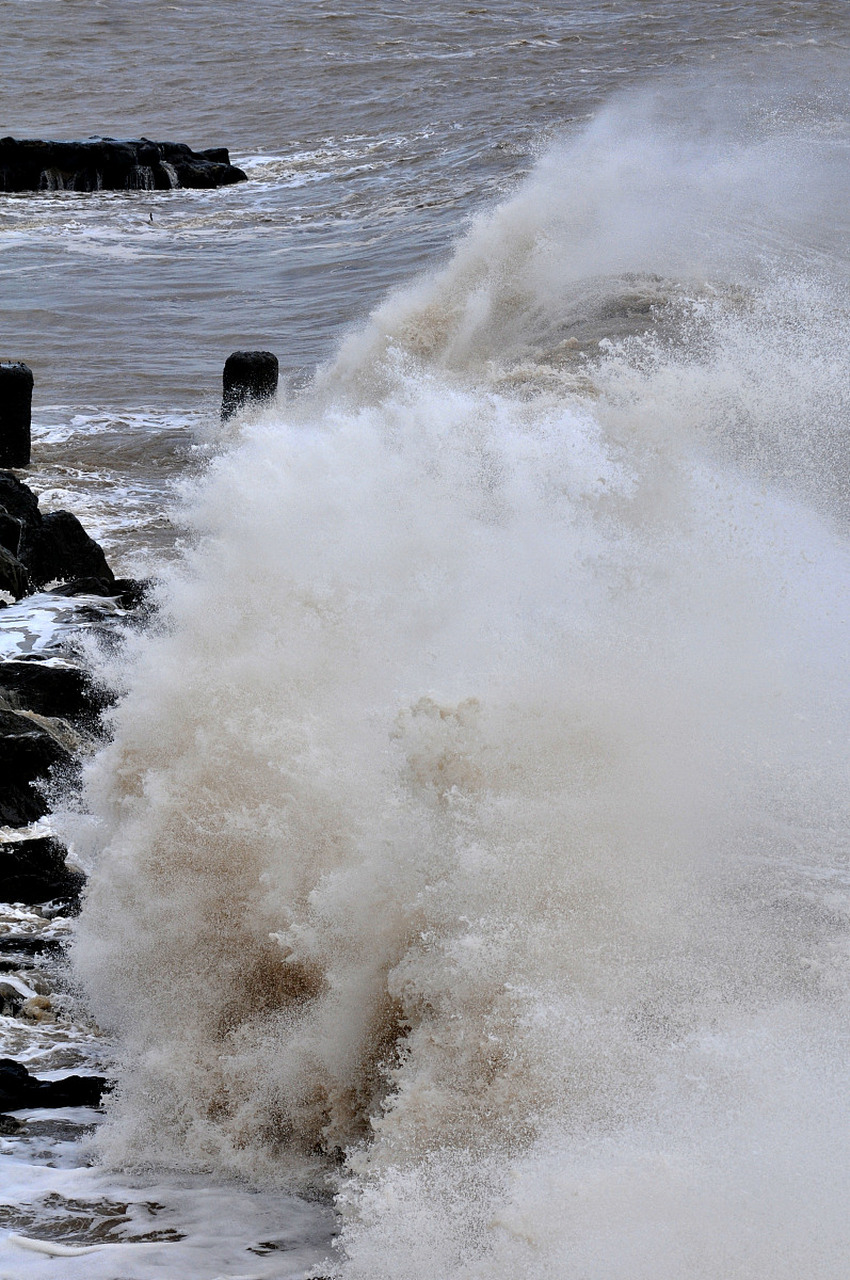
19 501
28 684
50 546
13 575
34 871
131 593
111 164
61 548
19 1089
10 533
28 752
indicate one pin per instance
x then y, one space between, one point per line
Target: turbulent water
471 843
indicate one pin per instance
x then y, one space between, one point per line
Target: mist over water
472 841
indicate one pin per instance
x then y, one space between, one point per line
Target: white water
478 816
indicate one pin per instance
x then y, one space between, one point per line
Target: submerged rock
111 164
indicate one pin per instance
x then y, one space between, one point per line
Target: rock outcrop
34 871
111 164
18 1088
50 546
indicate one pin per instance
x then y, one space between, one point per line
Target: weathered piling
16 383
248 376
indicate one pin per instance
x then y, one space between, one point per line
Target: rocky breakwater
111 164
50 712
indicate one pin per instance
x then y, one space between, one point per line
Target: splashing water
475 823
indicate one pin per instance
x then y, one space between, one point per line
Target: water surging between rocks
476 819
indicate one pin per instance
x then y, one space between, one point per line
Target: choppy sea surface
469 892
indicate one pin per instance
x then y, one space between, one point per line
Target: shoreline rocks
50 713
47 546
29 754
112 164
48 709
33 871
19 1088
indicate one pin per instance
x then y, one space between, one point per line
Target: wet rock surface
59 547
29 752
19 1088
38 548
112 164
34 871
50 689
13 576
50 713
50 545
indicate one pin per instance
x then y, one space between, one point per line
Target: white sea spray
476 815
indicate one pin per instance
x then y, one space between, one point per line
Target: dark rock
29 684
15 414
34 871
61 548
248 376
111 164
9 1125
13 575
53 545
28 944
218 155
10 533
130 593
18 500
19 1089
11 1000
133 593
28 752
83 587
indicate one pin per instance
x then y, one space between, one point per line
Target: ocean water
469 892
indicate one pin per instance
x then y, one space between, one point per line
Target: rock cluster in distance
110 164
